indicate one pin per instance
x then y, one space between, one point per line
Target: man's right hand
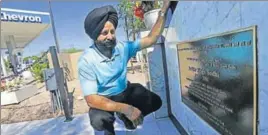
131 112
103 103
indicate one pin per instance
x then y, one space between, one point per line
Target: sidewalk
80 126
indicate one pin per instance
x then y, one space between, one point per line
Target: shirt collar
104 58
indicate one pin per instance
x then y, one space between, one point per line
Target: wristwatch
161 13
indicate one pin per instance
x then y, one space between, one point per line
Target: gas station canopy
20 27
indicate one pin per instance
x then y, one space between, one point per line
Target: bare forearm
158 28
103 103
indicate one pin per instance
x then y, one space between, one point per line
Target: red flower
138 12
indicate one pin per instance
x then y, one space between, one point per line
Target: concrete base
81 126
12 97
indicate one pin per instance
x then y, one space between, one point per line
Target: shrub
37 71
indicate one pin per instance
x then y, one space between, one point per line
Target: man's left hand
165 6
157 28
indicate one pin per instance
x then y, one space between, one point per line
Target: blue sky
69 19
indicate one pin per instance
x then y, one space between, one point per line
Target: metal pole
52 101
58 100
60 83
53 27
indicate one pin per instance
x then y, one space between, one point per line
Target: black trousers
135 95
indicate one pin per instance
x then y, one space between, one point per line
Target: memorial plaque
218 79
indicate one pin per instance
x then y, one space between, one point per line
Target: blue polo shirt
103 76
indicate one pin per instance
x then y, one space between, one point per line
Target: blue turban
97 18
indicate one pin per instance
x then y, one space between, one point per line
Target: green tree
72 50
35 58
26 58
132 25
38 68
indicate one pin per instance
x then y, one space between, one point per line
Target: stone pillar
3 66
156 74
11 45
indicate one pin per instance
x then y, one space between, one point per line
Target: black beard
106 47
